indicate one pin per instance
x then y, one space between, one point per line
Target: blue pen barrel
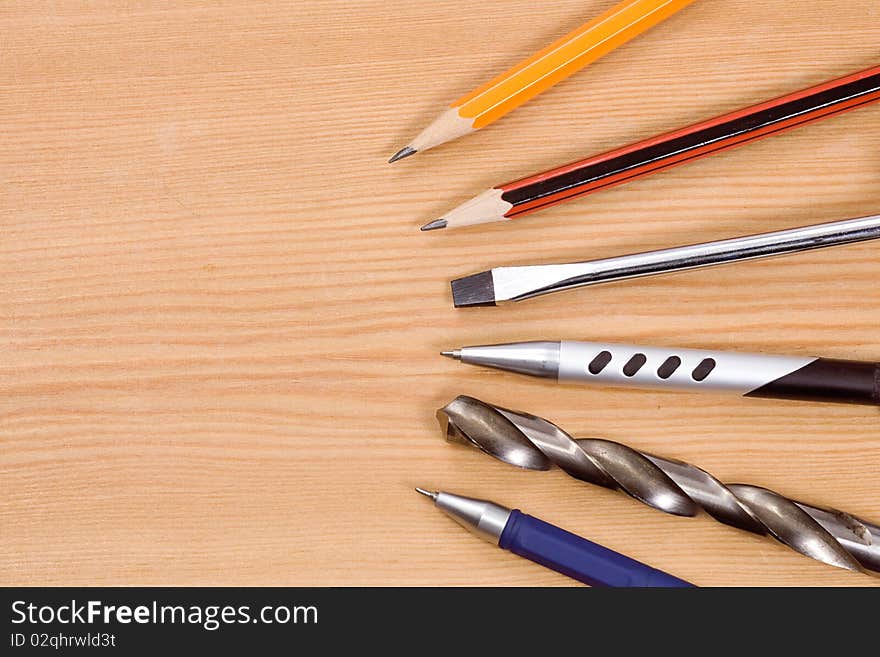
577 557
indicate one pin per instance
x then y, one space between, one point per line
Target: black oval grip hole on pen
600 362
704 369
668 367
635 364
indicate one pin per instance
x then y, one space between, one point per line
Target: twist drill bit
833 537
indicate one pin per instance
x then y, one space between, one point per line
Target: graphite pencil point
402 153
483 208
437 224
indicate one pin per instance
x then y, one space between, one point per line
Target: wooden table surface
220 324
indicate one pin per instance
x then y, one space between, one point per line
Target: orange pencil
530 77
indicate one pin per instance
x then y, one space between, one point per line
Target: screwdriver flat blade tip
474 290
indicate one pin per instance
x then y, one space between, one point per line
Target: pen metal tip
456 354
427 493
437 224
406 151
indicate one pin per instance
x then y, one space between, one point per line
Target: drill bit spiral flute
531 442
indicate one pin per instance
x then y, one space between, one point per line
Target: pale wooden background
220 323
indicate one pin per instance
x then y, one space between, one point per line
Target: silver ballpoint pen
751 375
504 284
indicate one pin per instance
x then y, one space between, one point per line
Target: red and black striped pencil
515 199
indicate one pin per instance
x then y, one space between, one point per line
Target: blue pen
549 545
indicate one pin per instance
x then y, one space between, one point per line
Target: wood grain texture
219 324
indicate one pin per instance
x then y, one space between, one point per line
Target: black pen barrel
828 380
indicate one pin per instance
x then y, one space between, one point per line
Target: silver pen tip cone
456 354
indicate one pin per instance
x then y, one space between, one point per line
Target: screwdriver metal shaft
526 441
